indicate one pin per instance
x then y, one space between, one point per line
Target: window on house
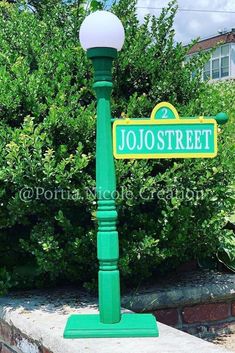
218 66
207 71
224 61
215 68
225 50
216 53
225 66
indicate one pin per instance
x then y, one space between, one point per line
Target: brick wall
6 349
203 320
13 341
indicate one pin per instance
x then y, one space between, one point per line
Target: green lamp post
102 36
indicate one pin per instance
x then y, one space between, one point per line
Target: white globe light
102 29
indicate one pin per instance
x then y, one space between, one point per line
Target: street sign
164 135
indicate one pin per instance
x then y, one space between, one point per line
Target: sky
190 25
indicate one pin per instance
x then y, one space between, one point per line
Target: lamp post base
131 325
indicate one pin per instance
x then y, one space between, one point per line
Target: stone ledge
34 323
182 290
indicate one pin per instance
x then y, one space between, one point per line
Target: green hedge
47 141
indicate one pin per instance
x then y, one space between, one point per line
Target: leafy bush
5 281
47 110
215 98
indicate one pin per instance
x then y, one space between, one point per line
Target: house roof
209 43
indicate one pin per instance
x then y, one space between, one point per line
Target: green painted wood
131 325
109 322
102 59
107 238
220 118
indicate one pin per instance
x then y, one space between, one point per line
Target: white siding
232 60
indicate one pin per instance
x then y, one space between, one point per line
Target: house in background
221 65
